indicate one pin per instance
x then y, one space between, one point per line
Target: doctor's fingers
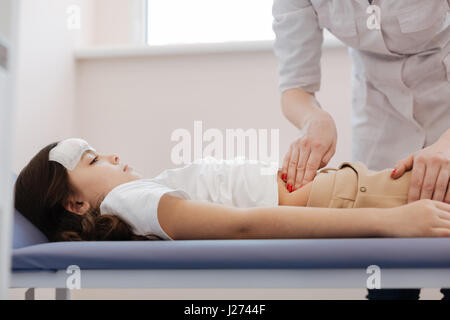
429 180
284 168
416 182
327 157
402 166
310 161
301 165
313 164
442 185
447 194
292 166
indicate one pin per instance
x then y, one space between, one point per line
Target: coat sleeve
298 44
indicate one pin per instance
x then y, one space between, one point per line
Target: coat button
363 189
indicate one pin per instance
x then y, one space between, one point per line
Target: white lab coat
401 72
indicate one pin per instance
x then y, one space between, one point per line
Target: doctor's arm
298 48
191 220
317 143
430 171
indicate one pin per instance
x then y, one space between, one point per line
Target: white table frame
230 278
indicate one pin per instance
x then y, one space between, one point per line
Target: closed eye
96 158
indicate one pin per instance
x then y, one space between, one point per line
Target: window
210 21
207 21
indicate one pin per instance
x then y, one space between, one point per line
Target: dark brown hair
40 191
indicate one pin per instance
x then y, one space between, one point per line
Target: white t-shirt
137 203
235 182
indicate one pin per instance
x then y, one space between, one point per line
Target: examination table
265 263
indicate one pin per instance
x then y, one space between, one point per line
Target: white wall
46 76
117 22
131 105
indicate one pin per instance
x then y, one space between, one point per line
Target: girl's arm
189 219
423 218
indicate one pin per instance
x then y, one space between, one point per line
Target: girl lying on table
71 192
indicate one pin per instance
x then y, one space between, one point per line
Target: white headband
69 152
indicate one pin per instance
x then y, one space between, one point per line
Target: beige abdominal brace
69 152
353 185
334 188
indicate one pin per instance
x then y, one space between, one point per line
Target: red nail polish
289 187
283 176
393 172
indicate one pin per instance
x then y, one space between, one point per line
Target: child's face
94 176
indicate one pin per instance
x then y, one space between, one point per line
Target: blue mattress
237 254
32 252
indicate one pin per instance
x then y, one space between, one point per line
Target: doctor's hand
311 151
430 172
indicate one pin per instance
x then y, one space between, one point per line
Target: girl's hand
423 218
312 151
430 171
